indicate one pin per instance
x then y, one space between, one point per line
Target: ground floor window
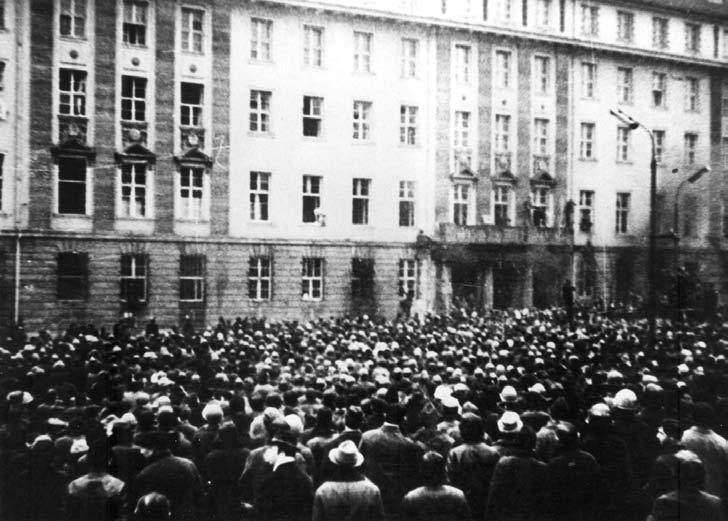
362 278
408 277
192 278
133 279
312 278
72 279
259 278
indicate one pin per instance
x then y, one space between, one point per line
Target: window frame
126 278
589 84
625 85
312 189
542 75
407 200
408 277
192 112
133 187
260 114
186 210
659 84
76 268
60 183
132 99
586 141
625 33
362 121
692 94
586 207
362 278
461 200
408 118
313 46
690 146
77 91
312 116
259 196
188 32
693 37
660 140
312 271
133 25
360 194
75 14
660 32
410 57
622 210
590 15
363 44
503 199
624 144
540 201
257 267
463 62
192 268
503 68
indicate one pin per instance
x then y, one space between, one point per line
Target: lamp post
676 227
633 124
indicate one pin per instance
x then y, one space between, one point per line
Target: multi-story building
297 158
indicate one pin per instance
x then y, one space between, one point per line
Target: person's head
286 442
97 457
433 469
526 439
212 413
228 435
568 436
471 428
353 417
690 469
153 507
346 455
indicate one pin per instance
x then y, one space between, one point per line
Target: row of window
587 144
73 275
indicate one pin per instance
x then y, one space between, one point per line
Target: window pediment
194 156
135 152
73 147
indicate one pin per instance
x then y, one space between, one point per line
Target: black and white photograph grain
363 260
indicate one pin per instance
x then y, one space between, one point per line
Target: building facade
297 158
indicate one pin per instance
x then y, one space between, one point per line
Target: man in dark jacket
221 471
353 419
391 460
287 493
177 478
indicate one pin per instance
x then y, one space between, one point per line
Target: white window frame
659 87
187 210
692 37
363 42
408 277
77 92
410 55
503 68
313 46
625 85
660 143
540 199
307 191
259 196
542 137
408 116
261 39
589 72
315 112
542 74
660 32
625 26
259 117
192 39
586 206
138 271
622 209
407 197
134 100
505 10
461 203
502 134
589 20
260 273
360 192
587 140
690 141
191 114
197 280
463 62
134 16
77 13
461 129
129 210
312 271
543 13
362 121
624 145
503 197
692 94
87 182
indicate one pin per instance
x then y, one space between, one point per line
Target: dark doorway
467 287
505 285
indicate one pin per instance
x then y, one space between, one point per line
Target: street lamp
633 124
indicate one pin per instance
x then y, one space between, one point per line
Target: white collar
282 459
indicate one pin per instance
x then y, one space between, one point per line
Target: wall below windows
226 282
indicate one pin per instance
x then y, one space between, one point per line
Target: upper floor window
624 84
408 124
71 190
725 43
192 29
542 66
692 37
540 206
72 92
502 195
586 210
691 145
133 98
659 89
505 10
502 132
625 26
586 145
2 160
503 69
463 62
660 33
2 14
133 190
191 101
73 18
623 144
72 277
192 278
311 198
541 136
692 94
2 75
589 20
261 36
588 79
461 134
410 48
312 116
360 201
259 194
362 51
313 46
191 192
406 203
134 27
543 13
259 118
461 193
362 121
621 225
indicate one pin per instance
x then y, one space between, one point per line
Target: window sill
260 223
368 74
625 162
255 61
259 300
313 139
266 135
312 300
192 53
71 222
405 146
183 301
72 39
363 142
191 221
588 159
135 47
587 98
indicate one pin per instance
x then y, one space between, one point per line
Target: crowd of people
518 415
